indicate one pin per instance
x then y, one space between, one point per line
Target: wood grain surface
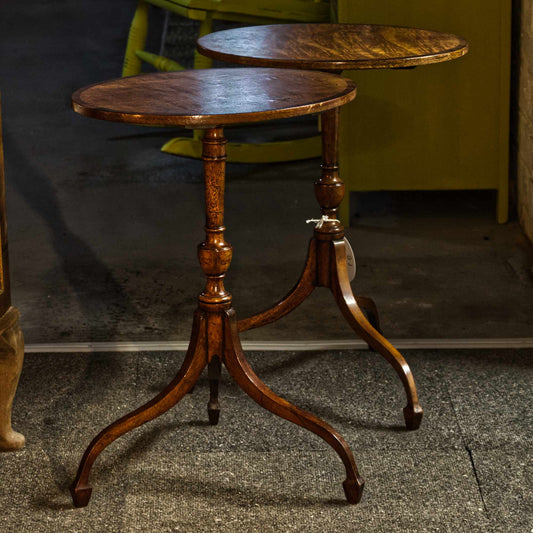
203 98
332 46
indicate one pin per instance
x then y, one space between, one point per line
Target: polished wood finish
206 12
335 47
338 47
11 358
11 337
326 266
332 46
215 338
206 98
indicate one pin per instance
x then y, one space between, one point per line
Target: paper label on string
350 259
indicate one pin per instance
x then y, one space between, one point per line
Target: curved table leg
192 367
303 288
246 378
11 358
371 311
347 303
213 407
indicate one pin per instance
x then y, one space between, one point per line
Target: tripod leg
246 378
371 311
187 376
347 303
303 288
213 407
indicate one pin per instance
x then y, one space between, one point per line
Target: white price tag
350 260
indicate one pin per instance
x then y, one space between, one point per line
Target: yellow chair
245 11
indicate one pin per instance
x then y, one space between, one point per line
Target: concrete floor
104 227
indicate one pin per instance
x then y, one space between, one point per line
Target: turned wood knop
329 188
214 253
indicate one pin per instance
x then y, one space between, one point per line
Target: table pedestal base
215 340
326 266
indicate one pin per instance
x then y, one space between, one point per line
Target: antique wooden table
334 48
210 99
337 47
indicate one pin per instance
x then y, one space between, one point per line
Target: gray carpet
466 469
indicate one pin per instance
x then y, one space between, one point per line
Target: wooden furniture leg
11 357
342 291
246 378
215 340
11 338
326 266
187 376
213 407
223 338
303 288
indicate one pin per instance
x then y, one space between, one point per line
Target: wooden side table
210 99
334 48
206 11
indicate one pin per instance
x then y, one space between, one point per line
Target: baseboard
276 346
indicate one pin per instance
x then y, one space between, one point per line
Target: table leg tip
80 495
12 442
413 417
214 415
353 489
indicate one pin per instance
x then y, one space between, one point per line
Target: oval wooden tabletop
332 46
212 97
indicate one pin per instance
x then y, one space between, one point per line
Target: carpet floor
466 469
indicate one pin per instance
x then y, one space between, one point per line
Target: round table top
213 97
332 46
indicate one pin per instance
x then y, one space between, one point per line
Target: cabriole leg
353 314
11 358
194 363
249 382
333 272
223 336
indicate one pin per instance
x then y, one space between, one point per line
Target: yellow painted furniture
206 11
440 127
